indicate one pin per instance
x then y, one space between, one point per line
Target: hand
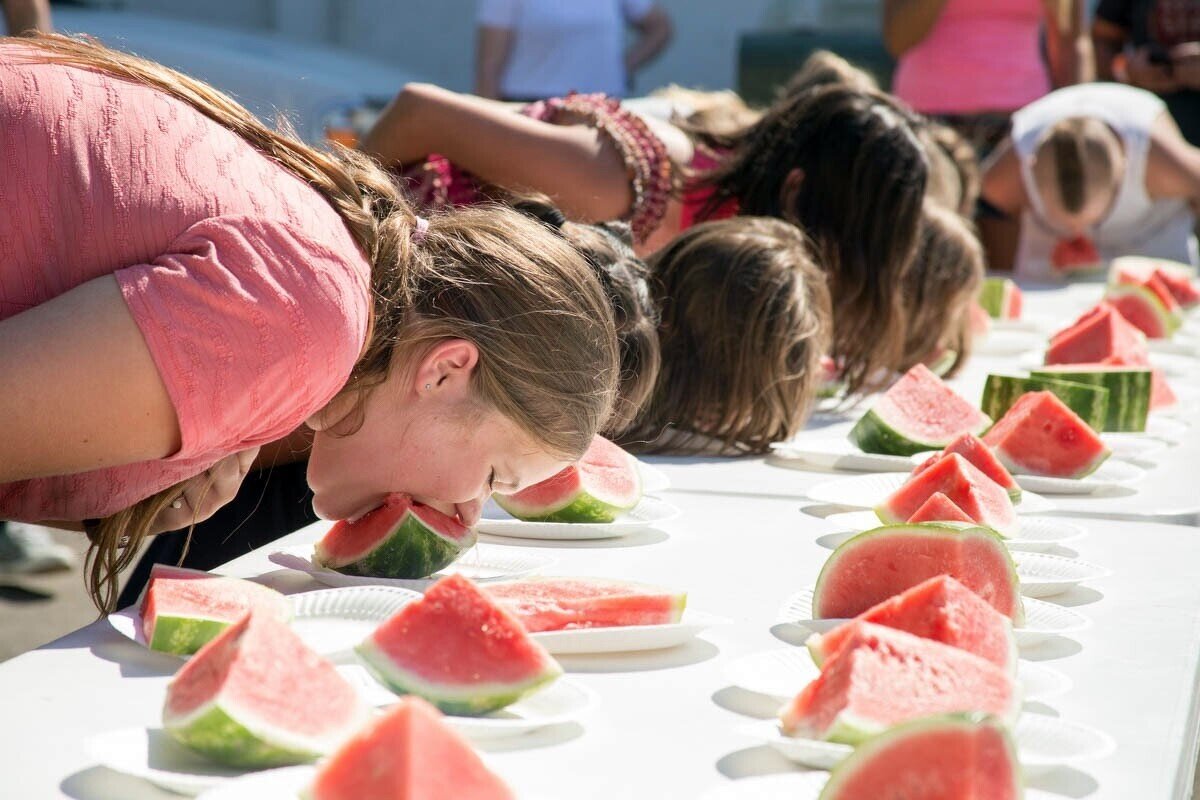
1185 65
205 493
1147 75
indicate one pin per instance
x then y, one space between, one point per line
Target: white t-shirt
563 45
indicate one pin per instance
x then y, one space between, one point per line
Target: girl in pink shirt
180 285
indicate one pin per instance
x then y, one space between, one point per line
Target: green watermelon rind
1015 467
1129 391
994 297
968 722
923 528
412 550
873 434
580 507
183 635
1171 320
219 736
1090 402
468 701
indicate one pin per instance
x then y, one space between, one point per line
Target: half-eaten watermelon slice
554 604
1176 277
458 649
1075 256
1100 333
1040 435
256 697
407 753
977 495
1000 298
972 448
602 485
918 413
400 539
1149 307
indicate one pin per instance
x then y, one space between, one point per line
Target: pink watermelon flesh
979 319
552 604
1180 286
954 757
930 410
606 473
1075 255
882 677
261 673
977 495
1041 435
350 540
1143 308
189 593
973 449
941 609
939 508
1102 332
1161 393
1016 300
875 565
408 753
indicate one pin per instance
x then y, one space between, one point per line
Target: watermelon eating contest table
672 723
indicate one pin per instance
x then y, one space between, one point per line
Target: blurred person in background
971 63
1154 45
25 16
533 49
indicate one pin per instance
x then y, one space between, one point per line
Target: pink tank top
695 198
248 288
980 55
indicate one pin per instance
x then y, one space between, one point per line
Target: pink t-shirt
980 55
251 294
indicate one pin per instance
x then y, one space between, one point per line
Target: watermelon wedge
1161 394
876 564
459 650
407 753
1176 277
948 757
1075 256
400 539
605 483
881 677
918 413
979 321
939 508
941 609
1100 333
1000 298
1129 391
553 604
1041 436
1089 402
184 609
256 696
1145 306
977 495
972 448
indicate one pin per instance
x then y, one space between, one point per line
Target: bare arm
654 34
1004 191
1172 165
81 391
907 22
1067 42
492 48
24 16
575 165
1108 39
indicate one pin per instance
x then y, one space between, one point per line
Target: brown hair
939 287
862 181
489 274
1081 152
823 68
745 321
722 111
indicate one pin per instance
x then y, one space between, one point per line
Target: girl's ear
446 369
791 188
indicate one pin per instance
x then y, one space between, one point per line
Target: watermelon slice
979 497
1161 394
1089 402
1100 333
1129 390
553 604
876 564
939 508
400 539
941 609
972 448
408 753
604 483
1176 277
1041 436
1000 298
1075 256
881 676
918 413
459 650
979 320
256 696
183 609
948 757
1145 306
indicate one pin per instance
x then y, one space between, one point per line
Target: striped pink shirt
251 293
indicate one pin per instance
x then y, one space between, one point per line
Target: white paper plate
1042 619
1172 365
330 621
563 701
1046 575
152 755
654 480
1035 534
1006 341
648 512
809 451
868 491
798 786
286 784
1112 474
628 638
1043 742
1137 446
1170 429
481 563
781 674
